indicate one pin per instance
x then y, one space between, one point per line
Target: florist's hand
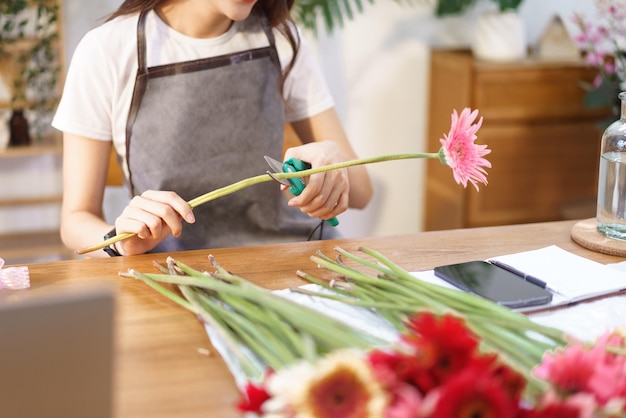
326 194
152 217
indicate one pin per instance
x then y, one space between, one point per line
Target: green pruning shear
296 185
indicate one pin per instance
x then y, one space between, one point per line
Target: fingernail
190 218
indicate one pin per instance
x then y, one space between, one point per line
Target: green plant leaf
455 7
452 7
333 12
508 4
605 95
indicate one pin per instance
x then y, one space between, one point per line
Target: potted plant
601 43
452 7
499 34
306 12
30 59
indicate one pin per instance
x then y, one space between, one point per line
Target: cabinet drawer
531 93
536 171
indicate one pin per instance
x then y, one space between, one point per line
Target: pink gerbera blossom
595 370
461 153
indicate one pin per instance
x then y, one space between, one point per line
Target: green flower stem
467 301
299 315
450 298
356 276
281 340
356 296
516 345
250 367
256 338
275 330
520 341
242 184
304 173
619 351
134 274
491 340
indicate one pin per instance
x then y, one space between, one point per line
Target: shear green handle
292 165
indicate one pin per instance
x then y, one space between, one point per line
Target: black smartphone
494 283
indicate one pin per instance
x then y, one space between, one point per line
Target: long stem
520 341
242 184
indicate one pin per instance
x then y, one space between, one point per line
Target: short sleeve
306 92
86 102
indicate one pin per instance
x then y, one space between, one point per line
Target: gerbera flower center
476 409
340 394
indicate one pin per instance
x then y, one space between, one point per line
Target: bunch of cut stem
259 327
396 294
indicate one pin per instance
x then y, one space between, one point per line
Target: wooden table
159 369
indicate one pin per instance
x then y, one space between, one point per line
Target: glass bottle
18 126
611 210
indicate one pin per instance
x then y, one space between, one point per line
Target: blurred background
378 65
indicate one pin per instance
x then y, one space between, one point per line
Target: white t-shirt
101 77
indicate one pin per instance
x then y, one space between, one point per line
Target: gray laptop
56 354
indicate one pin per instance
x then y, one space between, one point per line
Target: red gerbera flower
513 382
473 393
254 399
553 411
444 346
392 368
581 405
461 153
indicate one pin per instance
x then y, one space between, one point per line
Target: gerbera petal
255 396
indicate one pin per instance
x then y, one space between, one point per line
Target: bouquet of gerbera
436 371
457 355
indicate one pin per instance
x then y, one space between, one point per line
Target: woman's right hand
152 217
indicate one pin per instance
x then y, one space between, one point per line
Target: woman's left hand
326 194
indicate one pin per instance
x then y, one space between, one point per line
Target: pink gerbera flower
461 153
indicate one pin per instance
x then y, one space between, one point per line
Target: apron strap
141 43
141 80
270 37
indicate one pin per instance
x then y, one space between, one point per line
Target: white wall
377 68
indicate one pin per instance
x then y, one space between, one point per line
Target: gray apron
199 125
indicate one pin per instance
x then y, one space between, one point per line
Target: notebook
570 277
56 354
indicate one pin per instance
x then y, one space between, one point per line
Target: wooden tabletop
161 366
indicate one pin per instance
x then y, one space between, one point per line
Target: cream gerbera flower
342 387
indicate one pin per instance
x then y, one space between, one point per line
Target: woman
192 94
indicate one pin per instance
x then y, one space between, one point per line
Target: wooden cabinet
544 142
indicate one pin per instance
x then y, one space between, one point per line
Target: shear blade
277 167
